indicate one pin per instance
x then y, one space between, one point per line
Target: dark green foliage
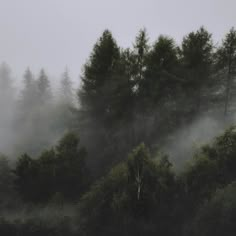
140 53
138 191
62 170
6 183
71 173
26 173
226 67
196 57
214 166
97 96
141 195
162 60
94 94
160 91
196 49
141 94
226 54
217 216
37 227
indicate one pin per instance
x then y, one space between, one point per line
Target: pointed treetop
141 42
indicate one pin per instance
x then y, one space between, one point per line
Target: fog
58 33
184 142
34 113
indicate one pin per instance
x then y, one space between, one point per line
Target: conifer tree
226 62
66 90
44 89
141 49
94 94
196 56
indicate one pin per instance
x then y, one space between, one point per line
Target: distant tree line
36 115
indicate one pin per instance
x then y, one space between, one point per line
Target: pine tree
7 107
94 94
196 56
226 62
44 88
66 90
140 55
162 85
162 60
29 92
6 85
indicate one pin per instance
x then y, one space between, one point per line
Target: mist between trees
33 118
171 98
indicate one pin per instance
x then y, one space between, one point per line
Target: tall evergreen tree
196 56
7 107
226 61
161 87
44 88
66 89
160 79
28 78
29 92
97 74
6 86
140 55
95 95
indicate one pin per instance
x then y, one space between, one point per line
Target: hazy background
56 33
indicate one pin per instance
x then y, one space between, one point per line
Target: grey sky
56 33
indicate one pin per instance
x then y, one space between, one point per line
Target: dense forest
145 146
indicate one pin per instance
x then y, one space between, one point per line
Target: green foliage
196 57
226 54
6 181
136 190
197 48
71 172
213 167
217 216
94 94
56 171
226 65
162 60
26 174
141 48
35 226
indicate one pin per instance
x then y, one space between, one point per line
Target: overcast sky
58 33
